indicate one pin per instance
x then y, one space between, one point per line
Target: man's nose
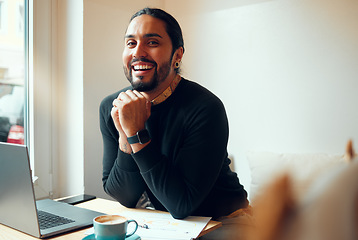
139 51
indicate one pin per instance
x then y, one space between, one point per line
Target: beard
160 74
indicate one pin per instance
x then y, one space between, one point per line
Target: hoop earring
177 64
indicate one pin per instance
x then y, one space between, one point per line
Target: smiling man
164 135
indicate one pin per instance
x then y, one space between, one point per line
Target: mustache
142 60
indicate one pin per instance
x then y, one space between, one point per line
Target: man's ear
178 55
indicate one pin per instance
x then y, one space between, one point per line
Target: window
29 56
20 18
12 71
1 14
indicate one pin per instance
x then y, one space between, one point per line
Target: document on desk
163 226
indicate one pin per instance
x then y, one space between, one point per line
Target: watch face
143 136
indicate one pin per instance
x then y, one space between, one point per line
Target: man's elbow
180 214
126 202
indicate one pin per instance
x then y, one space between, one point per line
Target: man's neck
160 88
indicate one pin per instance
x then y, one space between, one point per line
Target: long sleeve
121 177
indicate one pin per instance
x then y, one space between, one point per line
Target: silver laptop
20 210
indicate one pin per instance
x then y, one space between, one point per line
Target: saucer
92 237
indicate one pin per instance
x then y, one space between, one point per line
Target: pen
145 226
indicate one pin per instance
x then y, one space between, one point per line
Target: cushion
302 168
328 210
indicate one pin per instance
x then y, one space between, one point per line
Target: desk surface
101 205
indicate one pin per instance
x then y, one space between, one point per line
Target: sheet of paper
163 226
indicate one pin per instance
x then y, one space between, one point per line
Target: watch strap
133 139
140 137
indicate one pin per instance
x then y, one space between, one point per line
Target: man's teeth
142 67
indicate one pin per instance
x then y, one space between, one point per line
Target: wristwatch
141 137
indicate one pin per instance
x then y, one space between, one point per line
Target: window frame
41 68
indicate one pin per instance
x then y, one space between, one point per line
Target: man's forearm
124 146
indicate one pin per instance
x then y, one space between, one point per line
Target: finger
138 94
131 94
123 97
115 118
114 111
148 108
116 102
114 115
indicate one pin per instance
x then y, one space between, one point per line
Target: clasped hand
130 111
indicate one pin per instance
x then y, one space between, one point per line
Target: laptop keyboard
48 220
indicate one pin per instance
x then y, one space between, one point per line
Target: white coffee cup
112 227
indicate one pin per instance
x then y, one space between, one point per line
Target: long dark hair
172 26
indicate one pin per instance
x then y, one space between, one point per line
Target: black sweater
185 168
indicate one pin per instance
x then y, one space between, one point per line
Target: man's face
147 55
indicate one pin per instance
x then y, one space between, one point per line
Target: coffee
113 227
110 219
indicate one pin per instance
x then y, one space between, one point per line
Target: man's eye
131 44
153 43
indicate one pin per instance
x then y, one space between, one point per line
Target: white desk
101 205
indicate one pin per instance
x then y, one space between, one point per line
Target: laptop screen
17 200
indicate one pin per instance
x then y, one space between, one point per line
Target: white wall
287 71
